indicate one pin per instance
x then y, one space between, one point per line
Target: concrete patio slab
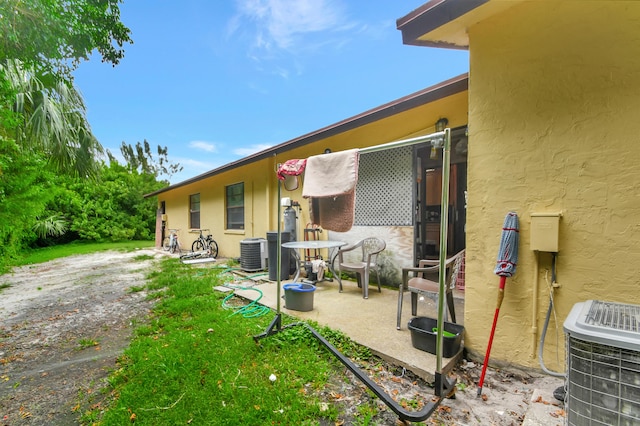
369 322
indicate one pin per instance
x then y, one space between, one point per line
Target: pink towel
331 174
330 184
289 172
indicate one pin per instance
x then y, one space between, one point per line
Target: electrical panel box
545 230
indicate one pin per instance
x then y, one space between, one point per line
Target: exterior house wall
261 186
553 97
212 207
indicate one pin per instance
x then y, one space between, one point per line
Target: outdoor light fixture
441 124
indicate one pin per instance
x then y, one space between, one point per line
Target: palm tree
52 226
53 121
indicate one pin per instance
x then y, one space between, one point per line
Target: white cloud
245 151
192 168
279 23
204 146
197 166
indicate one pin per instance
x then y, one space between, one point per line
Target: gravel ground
63 324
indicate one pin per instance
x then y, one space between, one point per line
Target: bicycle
205 243
171 243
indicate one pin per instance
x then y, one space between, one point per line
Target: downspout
268 197
253 207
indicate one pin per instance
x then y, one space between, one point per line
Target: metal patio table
332 246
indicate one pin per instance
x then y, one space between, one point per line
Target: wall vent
253 254
603 364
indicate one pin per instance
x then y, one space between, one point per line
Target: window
194 211
235 206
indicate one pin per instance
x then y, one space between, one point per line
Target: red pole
503 280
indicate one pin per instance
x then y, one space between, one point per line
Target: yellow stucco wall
261 185
554 95
212 207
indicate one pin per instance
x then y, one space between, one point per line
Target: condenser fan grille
614 315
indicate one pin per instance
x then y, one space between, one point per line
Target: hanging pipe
546 322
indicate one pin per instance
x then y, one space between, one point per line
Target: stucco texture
553 124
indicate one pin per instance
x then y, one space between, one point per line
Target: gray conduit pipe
546 324
534 305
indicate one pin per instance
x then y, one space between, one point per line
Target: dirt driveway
62 325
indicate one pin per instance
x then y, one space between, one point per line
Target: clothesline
404 142
330 179
444 142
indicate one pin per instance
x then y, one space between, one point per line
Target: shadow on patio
369 322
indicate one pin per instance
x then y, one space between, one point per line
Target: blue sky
215 81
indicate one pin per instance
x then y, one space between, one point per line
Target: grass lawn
54 252
195 362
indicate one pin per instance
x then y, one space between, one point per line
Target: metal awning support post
444 138
276 324
279 245
442 384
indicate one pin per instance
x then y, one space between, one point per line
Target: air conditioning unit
603 364
253 254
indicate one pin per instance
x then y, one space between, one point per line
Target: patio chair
370 248
419 285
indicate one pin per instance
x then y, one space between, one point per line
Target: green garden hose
252 310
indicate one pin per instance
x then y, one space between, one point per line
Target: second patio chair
370 248
419 285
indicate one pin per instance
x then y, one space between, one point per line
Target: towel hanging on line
330 184
289 172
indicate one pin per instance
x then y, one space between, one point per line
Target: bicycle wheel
213 249
197 245
165 244
175 247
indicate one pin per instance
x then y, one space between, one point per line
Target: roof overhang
430 94
444 23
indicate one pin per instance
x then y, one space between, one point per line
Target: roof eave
430 94
433 15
